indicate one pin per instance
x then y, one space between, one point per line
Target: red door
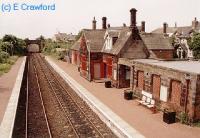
156 86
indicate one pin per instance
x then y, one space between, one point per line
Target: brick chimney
143 26
124 25
195 23
133 17
164 28
104 23
133 27
94 24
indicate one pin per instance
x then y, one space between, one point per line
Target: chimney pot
124 25
164 28
195 23
133 27
133 17
104 23
94 24
143 26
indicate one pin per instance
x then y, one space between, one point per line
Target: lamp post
89 60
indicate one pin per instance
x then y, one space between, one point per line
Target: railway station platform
7 82
10 85
138 117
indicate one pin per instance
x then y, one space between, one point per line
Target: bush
5 67
12 60
61 55
184 118
3 57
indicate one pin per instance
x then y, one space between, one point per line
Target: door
105 70
97 71
140 83
156 86
175 92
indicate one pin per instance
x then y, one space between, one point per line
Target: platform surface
7 82
7 124
148 124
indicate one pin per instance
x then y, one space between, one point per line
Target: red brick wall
156 86
163 54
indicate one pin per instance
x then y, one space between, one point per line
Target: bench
147 100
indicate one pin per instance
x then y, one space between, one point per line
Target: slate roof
76 45
185 29
124 35
94 39
151 41
155 41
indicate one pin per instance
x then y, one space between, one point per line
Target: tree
79 35
194 44
13 45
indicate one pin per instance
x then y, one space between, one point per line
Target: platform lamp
89 60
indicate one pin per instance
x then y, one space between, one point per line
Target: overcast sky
71 16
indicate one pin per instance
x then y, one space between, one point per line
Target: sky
70 16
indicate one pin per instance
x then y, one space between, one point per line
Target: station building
174 85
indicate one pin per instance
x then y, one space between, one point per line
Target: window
163 93
114 40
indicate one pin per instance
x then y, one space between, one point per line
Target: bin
128 94
108 84
169 117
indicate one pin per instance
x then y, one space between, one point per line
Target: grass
5 67
197 124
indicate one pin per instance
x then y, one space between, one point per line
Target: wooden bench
147 100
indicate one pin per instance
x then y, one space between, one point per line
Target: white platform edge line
114 119
8 121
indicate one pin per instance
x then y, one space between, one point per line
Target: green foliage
51 46
197 124
79 35
12 45
4 67
9 46
184 118
194 44
3 57
61 55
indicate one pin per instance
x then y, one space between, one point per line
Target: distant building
181 35
64 37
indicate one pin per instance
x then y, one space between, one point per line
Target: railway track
66 114
36 120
